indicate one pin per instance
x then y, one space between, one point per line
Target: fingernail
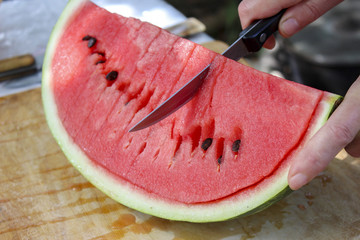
290 26
297 181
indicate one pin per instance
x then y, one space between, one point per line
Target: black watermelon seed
91 42
219 159
111 76
100 61
206 144
86 38
236 145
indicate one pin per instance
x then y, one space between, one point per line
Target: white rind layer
247 201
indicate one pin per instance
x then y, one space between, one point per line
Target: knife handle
259 31
17 67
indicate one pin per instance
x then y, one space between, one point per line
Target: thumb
302 14
338 131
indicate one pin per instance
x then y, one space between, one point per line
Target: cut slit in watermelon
225 153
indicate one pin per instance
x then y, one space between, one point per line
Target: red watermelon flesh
252 122
235 103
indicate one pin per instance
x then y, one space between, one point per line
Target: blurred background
325 55
220 17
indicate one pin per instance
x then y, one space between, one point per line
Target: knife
250 40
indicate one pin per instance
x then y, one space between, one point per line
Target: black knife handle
259 31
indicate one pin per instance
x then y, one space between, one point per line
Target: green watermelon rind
254 199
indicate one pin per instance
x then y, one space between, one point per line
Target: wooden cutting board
43 197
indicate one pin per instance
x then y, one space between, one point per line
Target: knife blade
250 40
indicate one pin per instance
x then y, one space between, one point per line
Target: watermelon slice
226 153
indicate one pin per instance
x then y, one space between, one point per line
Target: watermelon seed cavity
219 159
100 61
178 143
111 76
220 144
195 136
144 101
101 54
123 86
86 38
142 148
91 42
206 144
236 146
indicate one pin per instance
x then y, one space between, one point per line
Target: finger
339 131
250 10
300 15
270 43
353 148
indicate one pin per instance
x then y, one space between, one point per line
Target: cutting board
43 197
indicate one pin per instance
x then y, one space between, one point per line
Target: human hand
299 13
340 131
